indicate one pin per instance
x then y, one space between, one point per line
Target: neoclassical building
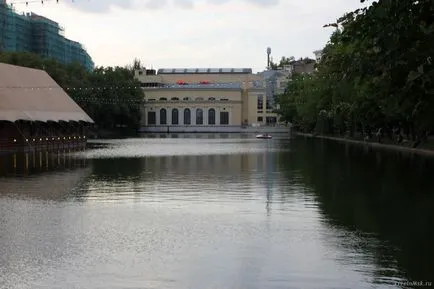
203 100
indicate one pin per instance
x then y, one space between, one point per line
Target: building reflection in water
34 230
42 175
325 205
242 176
198 135
34 162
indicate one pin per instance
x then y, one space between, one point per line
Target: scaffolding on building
3 23
34 33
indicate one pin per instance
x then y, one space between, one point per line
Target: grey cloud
265 3
184 3
218 2
155 4
101 6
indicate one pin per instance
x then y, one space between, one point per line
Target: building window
224 117
151 99
186 98
163 99
187 116
152 117
163 116
260 119
211 116
175 116
224 99
270 120
174 98
260 102
269 104
199 116
211 98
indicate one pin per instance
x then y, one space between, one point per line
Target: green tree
376 71
283 61
110 95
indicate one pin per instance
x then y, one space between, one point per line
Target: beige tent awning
31 94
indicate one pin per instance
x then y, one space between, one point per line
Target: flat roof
204 71
232 85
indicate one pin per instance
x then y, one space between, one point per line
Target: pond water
216 212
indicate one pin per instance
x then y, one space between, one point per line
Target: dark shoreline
374 145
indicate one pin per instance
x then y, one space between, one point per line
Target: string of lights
137 101
42 2
91 99
108 100
70 88
255 84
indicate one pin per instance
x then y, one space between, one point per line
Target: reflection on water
145 147
218 213
387 194
20 164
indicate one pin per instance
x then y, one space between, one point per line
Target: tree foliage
110 95
283 61
377 71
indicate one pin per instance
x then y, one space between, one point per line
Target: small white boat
264 136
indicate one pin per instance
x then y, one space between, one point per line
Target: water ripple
179 213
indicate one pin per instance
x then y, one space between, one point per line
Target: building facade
203 100
303 65
318 55
275 81
34 33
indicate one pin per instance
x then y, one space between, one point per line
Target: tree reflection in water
387 195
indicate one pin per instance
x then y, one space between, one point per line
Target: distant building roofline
205 71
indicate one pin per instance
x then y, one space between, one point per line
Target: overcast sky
194 33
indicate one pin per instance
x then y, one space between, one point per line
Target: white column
217 115
205 116
181 115
169 116
144 116
157 116
193 115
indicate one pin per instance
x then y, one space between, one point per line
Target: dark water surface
217 212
